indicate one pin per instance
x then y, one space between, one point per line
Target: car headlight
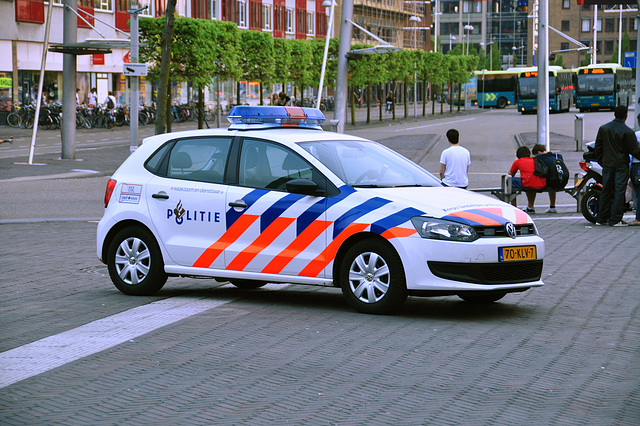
438 229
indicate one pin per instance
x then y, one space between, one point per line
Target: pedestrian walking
390 101
614 143
454 162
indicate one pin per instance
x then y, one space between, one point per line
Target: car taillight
583 166
111 185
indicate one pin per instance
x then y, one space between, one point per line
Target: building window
566 4
212 3
311 23
585 25
290 20
565 26
609 24
107 6
564 46
241 13
599 24
608 46
266 17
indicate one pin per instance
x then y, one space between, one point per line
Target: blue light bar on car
276 115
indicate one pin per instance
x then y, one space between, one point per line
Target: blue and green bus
496 88
603 86
560 90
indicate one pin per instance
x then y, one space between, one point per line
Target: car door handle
160 196
238 204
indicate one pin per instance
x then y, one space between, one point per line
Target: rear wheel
589 204
502 103
135 262
13 120
372 277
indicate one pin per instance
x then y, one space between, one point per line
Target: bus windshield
528 87
595 83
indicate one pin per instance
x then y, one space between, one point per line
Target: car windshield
368 164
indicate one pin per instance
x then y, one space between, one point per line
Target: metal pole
134 100
41 82
343 65
543 75
70 35
595 34
326 53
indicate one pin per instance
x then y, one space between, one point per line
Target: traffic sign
139 70
630 59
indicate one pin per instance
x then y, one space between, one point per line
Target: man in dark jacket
614 143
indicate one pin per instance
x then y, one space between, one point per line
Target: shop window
30 11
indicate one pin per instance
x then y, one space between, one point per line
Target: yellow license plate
508 254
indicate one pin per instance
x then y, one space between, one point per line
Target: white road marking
54 351
435 124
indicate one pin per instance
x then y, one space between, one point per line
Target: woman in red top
527 182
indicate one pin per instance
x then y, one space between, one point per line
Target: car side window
199 159
269 166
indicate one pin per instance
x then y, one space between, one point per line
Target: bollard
334 125
578 131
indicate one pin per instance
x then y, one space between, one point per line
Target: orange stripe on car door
233 233
316 266
303 240
264 239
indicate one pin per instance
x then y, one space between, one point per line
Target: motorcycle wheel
589 204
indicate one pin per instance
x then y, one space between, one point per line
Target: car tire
248 284
135 262
372 277
589 204
482 296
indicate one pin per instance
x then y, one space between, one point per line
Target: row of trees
203 51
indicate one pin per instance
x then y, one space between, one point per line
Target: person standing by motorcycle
635 177
615 141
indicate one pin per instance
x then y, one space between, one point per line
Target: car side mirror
302 186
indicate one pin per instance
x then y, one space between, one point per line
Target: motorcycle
589 186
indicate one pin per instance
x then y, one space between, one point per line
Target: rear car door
187 196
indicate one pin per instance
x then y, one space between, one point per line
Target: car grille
488 273
500 231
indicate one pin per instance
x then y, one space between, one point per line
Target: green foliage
431 67
317 53
303 54
626 47
257 60
282 54
559 61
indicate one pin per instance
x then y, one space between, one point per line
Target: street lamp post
415 19
514 54
490 44
467 28
326 3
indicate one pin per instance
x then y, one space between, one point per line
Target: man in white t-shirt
454 162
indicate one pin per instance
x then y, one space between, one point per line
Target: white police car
274 199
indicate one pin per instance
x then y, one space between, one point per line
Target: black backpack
557 174
110 104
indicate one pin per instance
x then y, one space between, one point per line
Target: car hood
455 204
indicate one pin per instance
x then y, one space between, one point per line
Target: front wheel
135 262
589 204
372 277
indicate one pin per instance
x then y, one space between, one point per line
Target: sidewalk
113 149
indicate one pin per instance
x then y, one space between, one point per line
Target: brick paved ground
566 353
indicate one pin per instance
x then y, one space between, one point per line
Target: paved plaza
75 351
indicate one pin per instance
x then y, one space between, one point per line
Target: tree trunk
368 104
200 108
168 107
406 97
380 100
165 67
